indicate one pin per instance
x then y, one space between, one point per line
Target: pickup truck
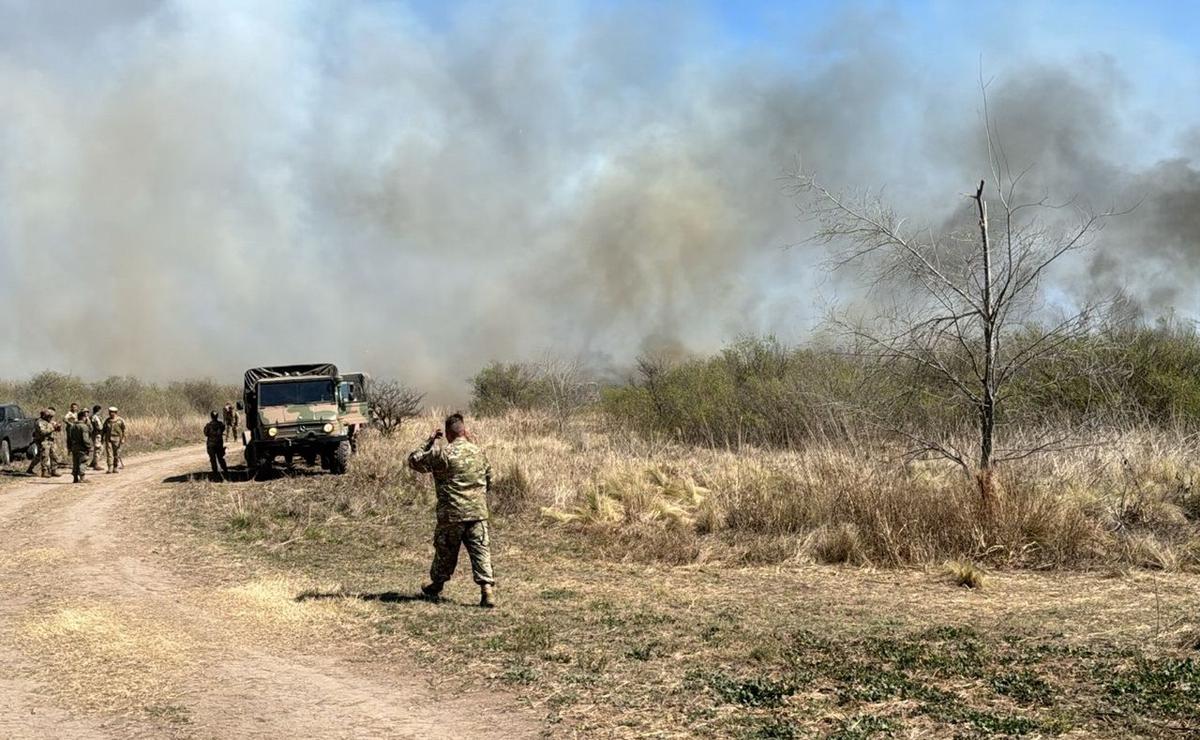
16 433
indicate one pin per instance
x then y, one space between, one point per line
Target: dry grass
669 591
148 433
1130 502
103 659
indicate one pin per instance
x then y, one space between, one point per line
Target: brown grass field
649 589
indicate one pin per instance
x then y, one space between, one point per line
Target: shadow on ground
386 597
239 474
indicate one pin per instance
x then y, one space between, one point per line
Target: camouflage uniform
43 435
55 458
79 443
113 434
214 443
231 421
96 431
462 477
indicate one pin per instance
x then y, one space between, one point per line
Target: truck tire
5 452
341 458
251 457
31 452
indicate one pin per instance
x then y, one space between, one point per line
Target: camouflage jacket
42 430
78 436
461 476
214 433
114 430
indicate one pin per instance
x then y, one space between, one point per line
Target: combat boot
487 596
432 592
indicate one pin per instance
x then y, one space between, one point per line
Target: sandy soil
105 634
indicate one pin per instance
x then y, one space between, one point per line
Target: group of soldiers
86 435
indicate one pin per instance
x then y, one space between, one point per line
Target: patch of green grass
519 673
768 728
1023 687
752 691
1164 687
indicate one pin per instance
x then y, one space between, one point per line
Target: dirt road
104 633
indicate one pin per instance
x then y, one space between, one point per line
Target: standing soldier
214 442
461 478
72 413
231 421
97 433
79 443
43 434
113 434
56 426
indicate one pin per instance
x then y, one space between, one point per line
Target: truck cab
306 410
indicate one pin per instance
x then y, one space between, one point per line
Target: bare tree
392 403
568 387
967 312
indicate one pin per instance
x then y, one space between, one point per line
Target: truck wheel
5 453
251 457
341 458
31 452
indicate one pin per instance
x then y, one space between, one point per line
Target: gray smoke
190 188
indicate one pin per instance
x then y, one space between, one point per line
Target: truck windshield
299 393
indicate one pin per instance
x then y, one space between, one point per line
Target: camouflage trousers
448 537
112 455
42 458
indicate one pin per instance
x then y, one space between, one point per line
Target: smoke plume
194 187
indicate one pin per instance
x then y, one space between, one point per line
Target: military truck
310 411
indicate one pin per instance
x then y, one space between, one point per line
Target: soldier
55 457
97 433
462 478
113 434
72 413
43 434
231 421
214 442
79 443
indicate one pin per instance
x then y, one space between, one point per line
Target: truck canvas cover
256 374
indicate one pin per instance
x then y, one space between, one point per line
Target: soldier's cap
112 408
49 412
